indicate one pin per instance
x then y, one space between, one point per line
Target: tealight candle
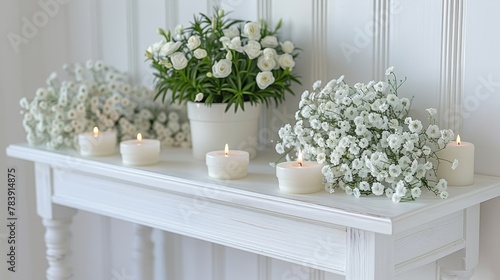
463 175
97 143
300 176
227 164
140 151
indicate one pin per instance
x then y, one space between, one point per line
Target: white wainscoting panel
415 51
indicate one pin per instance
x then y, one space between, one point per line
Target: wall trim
211 4
265 10
133 52
381 27
319 69
96 27
315 274
264 267
218 261
452 64
171 13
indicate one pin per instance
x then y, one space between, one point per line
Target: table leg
370 256
57 220
57 240
142 252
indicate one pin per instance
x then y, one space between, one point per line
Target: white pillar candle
140 151
97 143
463 175
227 164
300 176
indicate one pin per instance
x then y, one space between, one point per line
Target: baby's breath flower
366 140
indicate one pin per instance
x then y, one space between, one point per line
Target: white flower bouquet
366 140
97 95
223 60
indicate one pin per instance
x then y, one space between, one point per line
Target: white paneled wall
446 48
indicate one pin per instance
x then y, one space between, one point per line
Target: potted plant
227 66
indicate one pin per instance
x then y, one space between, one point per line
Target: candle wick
300 164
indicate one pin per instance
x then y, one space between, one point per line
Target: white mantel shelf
324 231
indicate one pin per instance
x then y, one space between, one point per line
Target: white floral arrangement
98 95
218 59
366 140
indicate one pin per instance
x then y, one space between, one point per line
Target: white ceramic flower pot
212 128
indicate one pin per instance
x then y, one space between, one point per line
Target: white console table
367 238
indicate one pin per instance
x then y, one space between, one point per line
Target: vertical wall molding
381 16
315 274
171 12
319 69
211 4
218 261
105 248
452 61
96 27
133 40
264 10
264 268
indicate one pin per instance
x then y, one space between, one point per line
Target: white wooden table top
259 190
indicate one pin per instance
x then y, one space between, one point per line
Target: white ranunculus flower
235 44
193 42
253 49
265 64
169 48
153 49
225 41
222 68
252 30
265 79
286 61
200 53
269 42
179 60
270 53
287 47
231 32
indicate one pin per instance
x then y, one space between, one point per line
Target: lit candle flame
226 150
95 131
299 158
139 137
458 140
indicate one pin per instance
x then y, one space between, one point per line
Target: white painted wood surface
337 233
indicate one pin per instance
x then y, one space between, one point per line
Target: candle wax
463 175
99 144
143 152
294 178
234 165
